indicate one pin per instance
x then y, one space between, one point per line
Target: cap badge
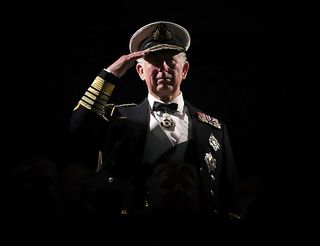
161 33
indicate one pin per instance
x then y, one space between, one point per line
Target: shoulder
115 110
125 105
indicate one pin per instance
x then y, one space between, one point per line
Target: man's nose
163 66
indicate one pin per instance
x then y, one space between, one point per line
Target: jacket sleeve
89 119
96 98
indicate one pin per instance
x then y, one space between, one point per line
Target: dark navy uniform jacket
121 174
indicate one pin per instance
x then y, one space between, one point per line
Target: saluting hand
120 66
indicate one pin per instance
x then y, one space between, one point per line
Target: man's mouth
166 80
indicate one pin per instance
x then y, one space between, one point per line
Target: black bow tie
165 107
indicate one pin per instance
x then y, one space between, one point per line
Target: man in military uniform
131 140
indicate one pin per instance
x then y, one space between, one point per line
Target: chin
164 89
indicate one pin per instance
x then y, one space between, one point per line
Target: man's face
163 72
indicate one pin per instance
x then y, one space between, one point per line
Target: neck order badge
168 123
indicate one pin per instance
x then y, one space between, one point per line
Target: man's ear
185 70
140 70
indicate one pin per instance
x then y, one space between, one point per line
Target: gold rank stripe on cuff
96 93
94 103
103 100
91 107
103 86
97 96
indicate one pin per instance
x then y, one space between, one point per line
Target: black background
252 65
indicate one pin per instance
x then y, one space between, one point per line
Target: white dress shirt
160 139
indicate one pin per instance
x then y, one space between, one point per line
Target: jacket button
110 180
212 177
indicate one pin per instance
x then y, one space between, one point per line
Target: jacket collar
138 114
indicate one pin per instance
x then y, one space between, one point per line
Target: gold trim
98 81
91 107
87 100
93 91
234 216
77 106
108 88
98 99
90 95
95 104
124 212
84 104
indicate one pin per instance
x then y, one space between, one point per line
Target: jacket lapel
201 134
200 131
